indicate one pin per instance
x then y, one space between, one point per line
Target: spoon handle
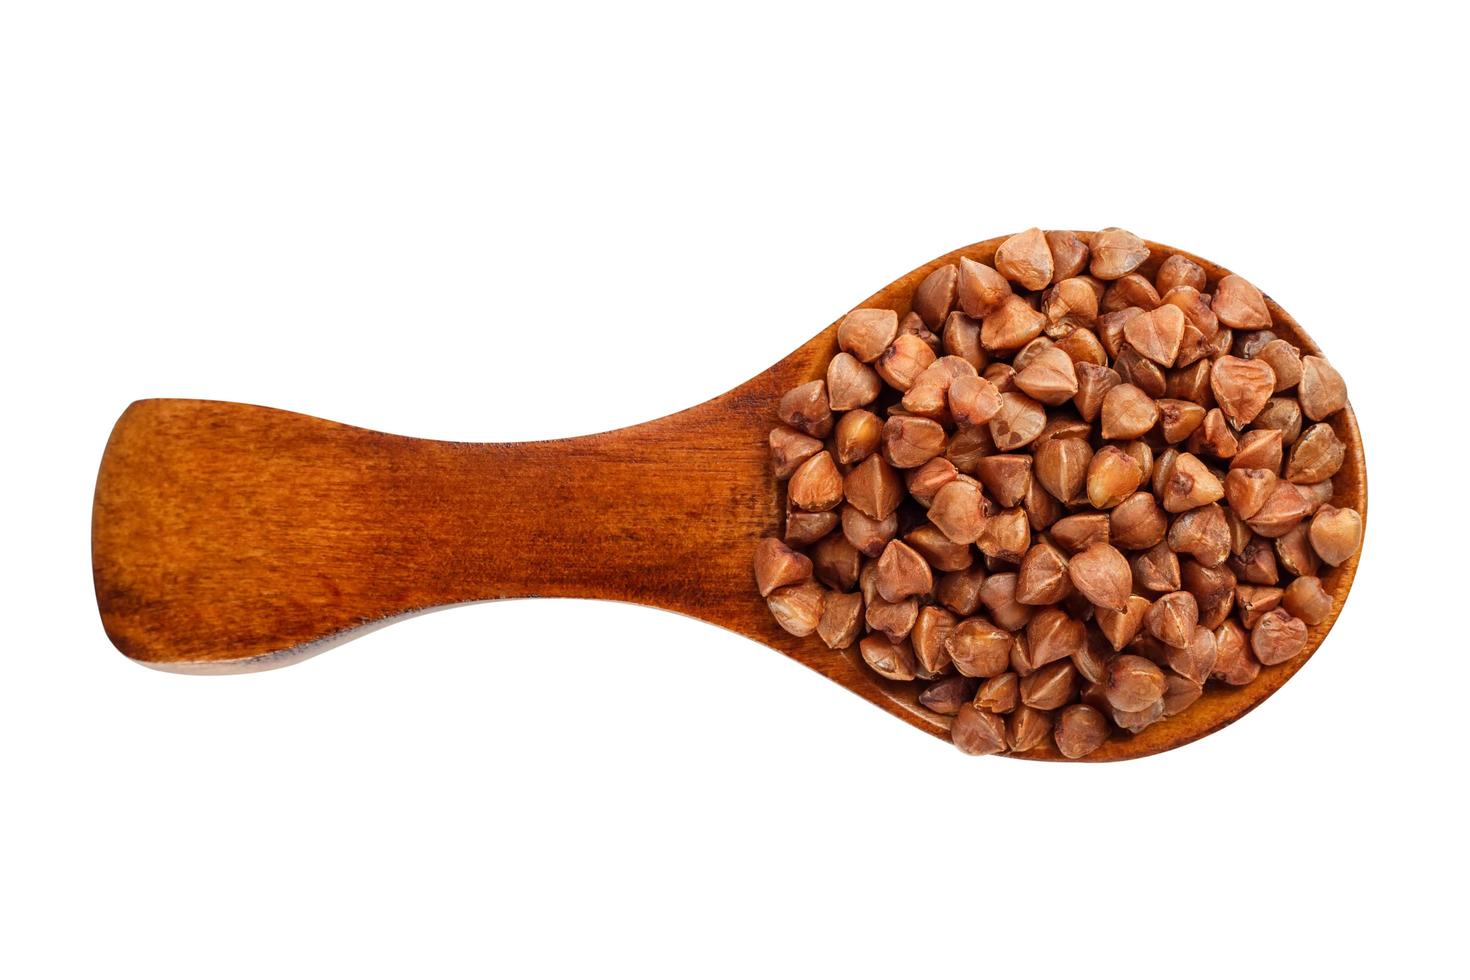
232 537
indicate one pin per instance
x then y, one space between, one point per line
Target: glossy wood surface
231 537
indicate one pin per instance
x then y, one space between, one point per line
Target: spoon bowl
230 538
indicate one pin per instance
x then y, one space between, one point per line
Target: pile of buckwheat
1061 495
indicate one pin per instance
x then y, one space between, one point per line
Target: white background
447 221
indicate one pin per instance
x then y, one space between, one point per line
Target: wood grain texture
231 537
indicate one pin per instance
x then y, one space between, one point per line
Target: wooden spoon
230 537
